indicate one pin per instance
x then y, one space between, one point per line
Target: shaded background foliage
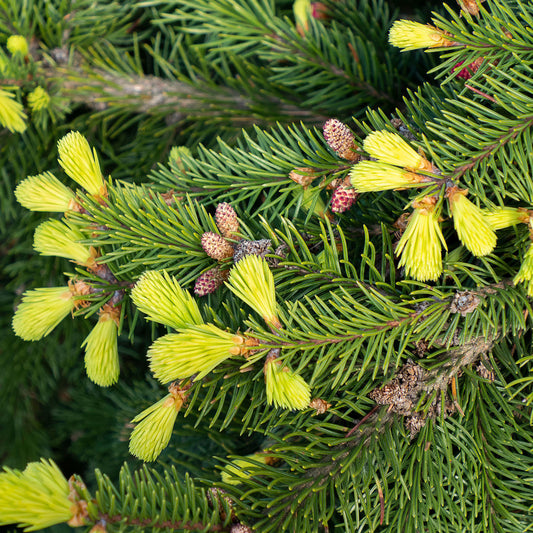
113 63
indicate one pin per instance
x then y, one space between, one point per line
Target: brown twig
485 95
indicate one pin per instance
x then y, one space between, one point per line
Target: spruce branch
180 525
176 100
490 150
377 421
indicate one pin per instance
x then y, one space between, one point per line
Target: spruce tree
266 265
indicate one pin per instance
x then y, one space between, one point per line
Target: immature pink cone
340 139
216 246
343 198
210 281
227 221
467 72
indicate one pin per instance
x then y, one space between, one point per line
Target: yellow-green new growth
195 350
392 148
17 45
421 244
471 224
410 35
285 388
41 310
240 469
101 349
52 237
35 498
252 281
38 99
81 163
525 274
154 426
160 297
370 176
504 217
44 193
12 114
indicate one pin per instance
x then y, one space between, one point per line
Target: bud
504 217
210 281
155 424
227 221
343 198
176 156
12 114
160 297
340 139
471 225
301 9
320 405
525 274
44 192
36 498
391 148
312 201
38 99
41 310
81 163
421 244
195 350
242 468
252 281
101 350
284 388
52 237
17 45
410 35
216 246
369 176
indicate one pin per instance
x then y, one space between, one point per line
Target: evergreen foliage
359 362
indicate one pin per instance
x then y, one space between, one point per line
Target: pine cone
244 248
343 198
214 495
241 528
340 139
210 281
227 221
216 246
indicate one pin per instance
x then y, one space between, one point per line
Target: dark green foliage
246 91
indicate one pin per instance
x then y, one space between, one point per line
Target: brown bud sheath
227 221
303 175
340 139
470 6
216 246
